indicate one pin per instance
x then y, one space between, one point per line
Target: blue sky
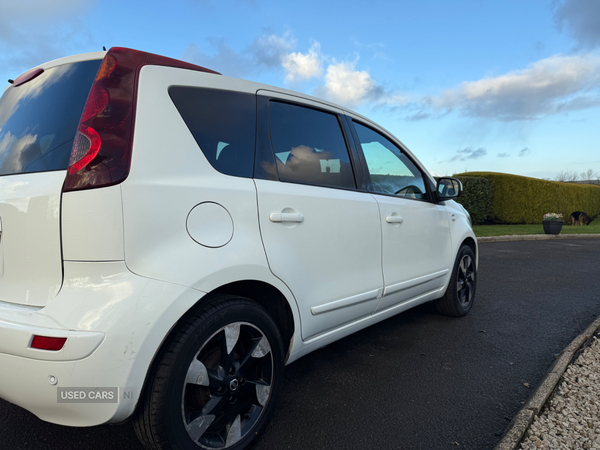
507 86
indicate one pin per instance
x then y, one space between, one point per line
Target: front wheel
460 294
216 384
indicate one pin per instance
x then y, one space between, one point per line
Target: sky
467 85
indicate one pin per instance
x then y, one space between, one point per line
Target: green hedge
524 200
477 197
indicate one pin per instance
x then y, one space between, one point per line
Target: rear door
321 235
38 121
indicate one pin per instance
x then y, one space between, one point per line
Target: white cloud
555 84
222 58
303 66
580 19
342 82
35 31
524 152
376 49
17 13
469 153
419 115
347 86
266 51
270 50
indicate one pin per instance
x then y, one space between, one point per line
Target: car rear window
38 119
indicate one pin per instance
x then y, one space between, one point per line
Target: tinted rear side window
309 146
223 124
38 119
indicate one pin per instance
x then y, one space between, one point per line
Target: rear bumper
16 337
114 322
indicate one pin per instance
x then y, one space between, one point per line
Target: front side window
391 171
309 146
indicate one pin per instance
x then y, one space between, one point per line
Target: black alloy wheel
466 281
217 381
460 293
227 386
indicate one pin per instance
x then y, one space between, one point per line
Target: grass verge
507 230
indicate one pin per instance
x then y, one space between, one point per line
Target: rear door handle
394 219
286 217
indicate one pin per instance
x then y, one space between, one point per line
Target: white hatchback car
171 238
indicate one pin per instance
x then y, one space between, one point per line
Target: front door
416 245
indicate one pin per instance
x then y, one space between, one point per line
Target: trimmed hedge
524 200
477 197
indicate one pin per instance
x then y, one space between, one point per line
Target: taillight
101 153
48 343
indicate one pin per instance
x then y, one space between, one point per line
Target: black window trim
264 153
359 164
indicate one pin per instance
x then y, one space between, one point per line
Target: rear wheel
460 294
216 384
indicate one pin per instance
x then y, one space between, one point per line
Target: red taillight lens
101 152
108 65
48 343
96 102
85 148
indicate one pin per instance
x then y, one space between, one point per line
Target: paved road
418 380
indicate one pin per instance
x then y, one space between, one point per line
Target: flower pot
552 226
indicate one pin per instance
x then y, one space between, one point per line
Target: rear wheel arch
266 295
270 298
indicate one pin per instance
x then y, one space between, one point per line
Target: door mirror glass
449 188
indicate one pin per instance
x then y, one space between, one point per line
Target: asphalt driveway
418 380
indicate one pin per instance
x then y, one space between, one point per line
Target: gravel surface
571 418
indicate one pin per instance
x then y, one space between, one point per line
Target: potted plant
552 223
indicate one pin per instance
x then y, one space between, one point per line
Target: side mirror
448 188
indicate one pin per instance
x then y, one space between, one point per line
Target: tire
460 293
217 382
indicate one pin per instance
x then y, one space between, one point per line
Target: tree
590 175
566 176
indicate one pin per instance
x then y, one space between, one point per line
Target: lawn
504 230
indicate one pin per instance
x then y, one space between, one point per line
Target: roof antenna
103 48
11 81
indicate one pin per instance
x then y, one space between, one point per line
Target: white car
171 238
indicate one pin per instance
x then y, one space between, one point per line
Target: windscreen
38 119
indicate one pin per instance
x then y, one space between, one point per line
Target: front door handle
286 217
394 219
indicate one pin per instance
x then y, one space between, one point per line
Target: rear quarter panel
169 177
